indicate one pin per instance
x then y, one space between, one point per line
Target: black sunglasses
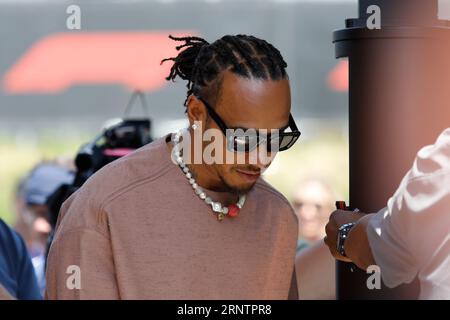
241 140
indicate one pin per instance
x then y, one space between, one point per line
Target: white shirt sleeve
411 236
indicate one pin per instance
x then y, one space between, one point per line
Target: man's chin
242 187
236 184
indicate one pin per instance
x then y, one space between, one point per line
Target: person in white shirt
411 236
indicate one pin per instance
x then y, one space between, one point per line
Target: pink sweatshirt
136 230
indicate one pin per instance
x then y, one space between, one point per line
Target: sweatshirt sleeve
80 263
80 266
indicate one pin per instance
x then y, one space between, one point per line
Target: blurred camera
119 138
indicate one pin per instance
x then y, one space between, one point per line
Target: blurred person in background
316 273
17 276
313 201
32 211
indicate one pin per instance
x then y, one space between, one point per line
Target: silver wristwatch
342 236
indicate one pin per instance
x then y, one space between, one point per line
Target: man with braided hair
157 225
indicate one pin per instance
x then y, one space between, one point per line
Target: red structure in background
338 79
62 60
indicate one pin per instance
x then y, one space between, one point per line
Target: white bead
241 201
216 206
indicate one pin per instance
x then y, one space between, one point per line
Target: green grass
18 157
324 157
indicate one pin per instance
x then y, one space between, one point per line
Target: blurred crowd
33 227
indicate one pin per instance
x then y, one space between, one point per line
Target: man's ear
196 110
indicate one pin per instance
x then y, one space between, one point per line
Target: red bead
233 210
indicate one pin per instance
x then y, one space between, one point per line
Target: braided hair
202 63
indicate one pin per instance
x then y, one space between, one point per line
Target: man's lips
249 175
